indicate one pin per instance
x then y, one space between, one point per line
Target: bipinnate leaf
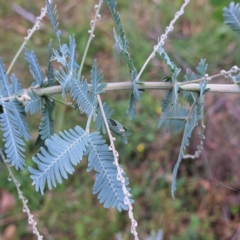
99 123
56 162
173 120
201 68
106 185
166 59
12 119
96 80
189 126
53 17
16 86
34 104
85 101
46 124
111 4
14 145
67 75
232 17
35 69
50 70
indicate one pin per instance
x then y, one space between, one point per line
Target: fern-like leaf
166 59
14 145
53 17
12 118
20 117
201 68
232 17
173 120
35 69
112 4
46 124
190 125
108 188
67 76
62 153
99 123
189 96
122 44
96 80
34 104
131 107
16 85
50 70
85 102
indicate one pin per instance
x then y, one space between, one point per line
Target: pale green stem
107 126
173 118
89 123
63 103
208 78
130 213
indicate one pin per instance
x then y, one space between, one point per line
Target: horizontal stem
227 88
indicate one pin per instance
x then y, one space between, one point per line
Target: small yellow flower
140 147
158 110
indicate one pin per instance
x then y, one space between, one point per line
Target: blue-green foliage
99 123
201 68
111 3
53 17
34 104
121 45
108 188
171 109
16 85
190 125
232 17
67 75
59 157
50 70
12 119
56 161
171 65
96 80
86 102
191 96
131 107
173 120
134 97
46 124
35 69
174 117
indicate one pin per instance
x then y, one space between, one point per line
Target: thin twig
26 39
120 177
163 38
224 73
97 17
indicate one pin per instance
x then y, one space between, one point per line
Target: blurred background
207 204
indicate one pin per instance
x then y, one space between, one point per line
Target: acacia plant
59 153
